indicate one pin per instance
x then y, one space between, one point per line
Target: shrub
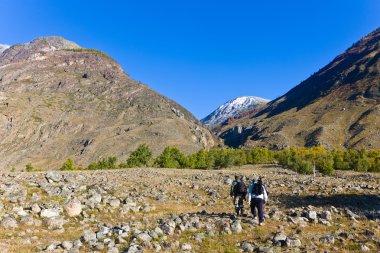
29 167
68 165
105 163
362 165
141 157
171 157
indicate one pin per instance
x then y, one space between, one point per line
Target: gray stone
279 239
55 222
89 236
53 176
186 247
247 247
73 208
326 215
115 203
291 242
36 208
328 239
49 212
113 250
134 248
9 222
236 227
144 237
67 245
311 215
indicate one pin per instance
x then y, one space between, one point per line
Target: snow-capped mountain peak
232 108
3 48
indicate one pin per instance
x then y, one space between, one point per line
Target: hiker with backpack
257 196
239 194
232 187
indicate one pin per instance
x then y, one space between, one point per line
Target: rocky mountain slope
338 106
59 100
176 210
232 108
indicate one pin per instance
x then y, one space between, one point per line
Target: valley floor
178 210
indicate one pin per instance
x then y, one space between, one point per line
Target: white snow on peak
232 108
3 48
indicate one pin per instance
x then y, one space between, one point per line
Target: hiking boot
261 223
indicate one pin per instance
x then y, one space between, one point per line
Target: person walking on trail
236 180
239 193
257 196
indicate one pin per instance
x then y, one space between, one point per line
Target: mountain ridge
338 106
58 100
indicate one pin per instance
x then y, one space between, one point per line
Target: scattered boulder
8 222
73 208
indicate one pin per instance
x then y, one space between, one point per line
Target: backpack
240 188
257 189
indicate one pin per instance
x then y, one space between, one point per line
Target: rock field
170 210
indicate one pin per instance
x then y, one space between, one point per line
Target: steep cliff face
338 106
59 100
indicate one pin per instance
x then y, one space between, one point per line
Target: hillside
338 106
59 100
231 109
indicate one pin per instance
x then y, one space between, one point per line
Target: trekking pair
257 197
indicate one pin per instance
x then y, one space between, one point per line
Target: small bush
141 157
171 157
68 165
105 163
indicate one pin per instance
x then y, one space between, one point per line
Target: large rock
49 212
89 236
279 239
9 222
236 227
53 176
55 222
312 215
73 208
326 215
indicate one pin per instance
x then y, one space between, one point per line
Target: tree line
301 160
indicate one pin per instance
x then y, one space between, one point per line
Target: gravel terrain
171 210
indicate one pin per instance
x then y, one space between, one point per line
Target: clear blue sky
202 53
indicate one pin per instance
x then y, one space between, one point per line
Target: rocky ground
167 210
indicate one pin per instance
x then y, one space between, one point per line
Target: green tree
68 165
171 157
29 167
141 157
105 163
325 164
362 165
201 159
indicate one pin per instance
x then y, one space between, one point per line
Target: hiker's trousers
257 203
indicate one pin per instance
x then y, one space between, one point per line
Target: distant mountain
232 108
3 47
338 106
59 100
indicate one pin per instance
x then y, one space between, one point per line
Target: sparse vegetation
301 160
68 165
29 168
105 163
141 157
